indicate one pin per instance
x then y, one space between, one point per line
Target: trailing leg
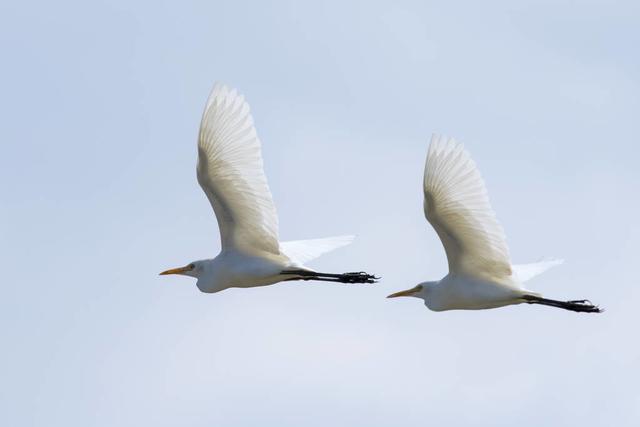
355 277
580 306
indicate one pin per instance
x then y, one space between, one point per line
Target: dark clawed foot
580 301
586 305
359 277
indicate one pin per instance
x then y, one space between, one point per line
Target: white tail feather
526 272
303 251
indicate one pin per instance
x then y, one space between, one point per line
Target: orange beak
407 293
178 270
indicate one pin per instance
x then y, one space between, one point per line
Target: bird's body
234 269
481 275
462 292
230 172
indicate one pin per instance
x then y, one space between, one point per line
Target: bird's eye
192 266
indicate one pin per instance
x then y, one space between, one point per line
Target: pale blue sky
101 104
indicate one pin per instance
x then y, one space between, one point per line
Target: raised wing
457 205
230 171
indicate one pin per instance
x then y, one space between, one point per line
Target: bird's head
194 269
205 271
420 291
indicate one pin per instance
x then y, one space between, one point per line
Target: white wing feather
457 206
526 272
230 171
302 251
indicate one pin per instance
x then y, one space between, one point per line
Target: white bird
481 275
230 171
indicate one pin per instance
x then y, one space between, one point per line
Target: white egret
481 275
230 171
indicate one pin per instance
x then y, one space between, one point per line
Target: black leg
353 277
580 306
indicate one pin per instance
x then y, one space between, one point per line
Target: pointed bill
408 293
178 270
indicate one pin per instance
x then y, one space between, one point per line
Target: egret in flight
481 275
230 172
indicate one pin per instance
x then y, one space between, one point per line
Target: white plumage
230 171
525 272
481 275
301 252
457 205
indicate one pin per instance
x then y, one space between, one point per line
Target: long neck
430 293
209 278
428 286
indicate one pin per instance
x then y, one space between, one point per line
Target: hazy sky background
101 103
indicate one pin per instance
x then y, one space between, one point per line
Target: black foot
583 305
358 277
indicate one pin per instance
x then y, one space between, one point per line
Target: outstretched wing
457 205
230 171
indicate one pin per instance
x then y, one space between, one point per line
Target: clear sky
101 103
